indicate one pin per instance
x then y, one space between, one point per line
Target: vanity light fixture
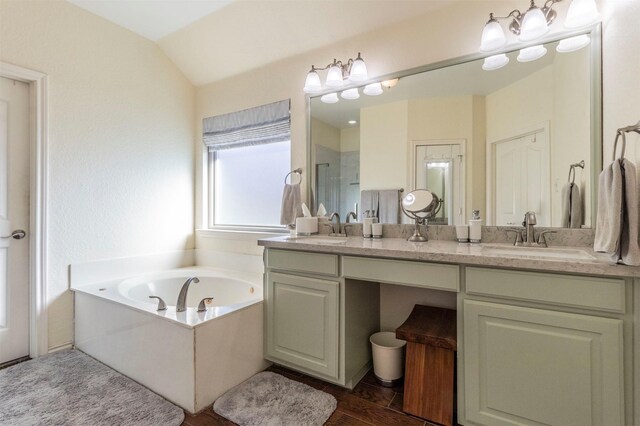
533 24
390 83
354 70
494 62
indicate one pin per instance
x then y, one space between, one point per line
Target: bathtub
188 357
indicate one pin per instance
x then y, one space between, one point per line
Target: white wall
121 140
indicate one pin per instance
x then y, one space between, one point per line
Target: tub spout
182 297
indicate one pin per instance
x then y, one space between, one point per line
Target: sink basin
320 240
538 252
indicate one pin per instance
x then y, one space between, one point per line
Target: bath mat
269 399
71 388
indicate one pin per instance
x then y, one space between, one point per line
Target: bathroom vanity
542 338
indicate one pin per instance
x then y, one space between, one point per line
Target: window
249 156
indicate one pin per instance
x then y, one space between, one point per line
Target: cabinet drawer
570 290
417 274
314 263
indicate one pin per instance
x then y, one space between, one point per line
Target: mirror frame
596 147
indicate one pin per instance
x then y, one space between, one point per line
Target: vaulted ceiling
210 40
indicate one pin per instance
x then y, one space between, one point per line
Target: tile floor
367 404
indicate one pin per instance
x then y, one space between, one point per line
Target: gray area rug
269 399
71 388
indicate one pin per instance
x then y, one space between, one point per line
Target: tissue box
306 225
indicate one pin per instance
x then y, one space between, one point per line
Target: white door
14 214
522 180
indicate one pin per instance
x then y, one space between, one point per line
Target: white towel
617 222
291 204
389 206
571 206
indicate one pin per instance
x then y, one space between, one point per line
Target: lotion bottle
475 227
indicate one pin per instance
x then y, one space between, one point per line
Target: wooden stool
429 371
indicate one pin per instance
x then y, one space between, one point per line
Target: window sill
237 234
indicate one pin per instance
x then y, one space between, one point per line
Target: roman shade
254 126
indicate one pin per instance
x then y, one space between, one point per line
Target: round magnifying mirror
420 205
419 202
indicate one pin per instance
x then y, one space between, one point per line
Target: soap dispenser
475 227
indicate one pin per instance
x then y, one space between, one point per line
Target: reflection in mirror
499 141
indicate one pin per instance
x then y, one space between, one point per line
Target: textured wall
120 141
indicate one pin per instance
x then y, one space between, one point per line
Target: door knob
18 234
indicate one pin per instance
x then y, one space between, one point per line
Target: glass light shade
494 62
358 71
334 77
581 13
373 89
330 98
350 94
532 53
573 43
534 24
312 84
492 36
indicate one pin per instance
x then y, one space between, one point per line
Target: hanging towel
571 206
369 201
617 222
291 204
389 206
629 248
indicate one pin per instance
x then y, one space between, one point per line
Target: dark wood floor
367 404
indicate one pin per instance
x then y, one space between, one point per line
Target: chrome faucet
182 297
352 215
528 223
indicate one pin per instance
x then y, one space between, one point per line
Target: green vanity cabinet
302 322
538 365
317 321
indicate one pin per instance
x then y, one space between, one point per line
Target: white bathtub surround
189 357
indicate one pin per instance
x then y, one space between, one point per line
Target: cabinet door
532 366
302 322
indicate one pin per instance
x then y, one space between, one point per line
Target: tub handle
202 307
161 305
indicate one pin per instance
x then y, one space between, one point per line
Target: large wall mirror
502 141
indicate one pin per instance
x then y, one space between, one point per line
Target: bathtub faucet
182 297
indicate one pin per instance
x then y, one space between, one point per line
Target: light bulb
334 76
494 62
373 89
312 84
330 98
534 24
350 94
581 13
358 70
573 43
492 36
532 53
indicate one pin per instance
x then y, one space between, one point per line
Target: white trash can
388 357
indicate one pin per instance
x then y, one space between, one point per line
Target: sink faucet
528 223
338 232
351 215
182 297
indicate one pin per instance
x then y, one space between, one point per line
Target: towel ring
297 171
623 132
572 171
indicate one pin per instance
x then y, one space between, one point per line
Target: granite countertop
457 253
